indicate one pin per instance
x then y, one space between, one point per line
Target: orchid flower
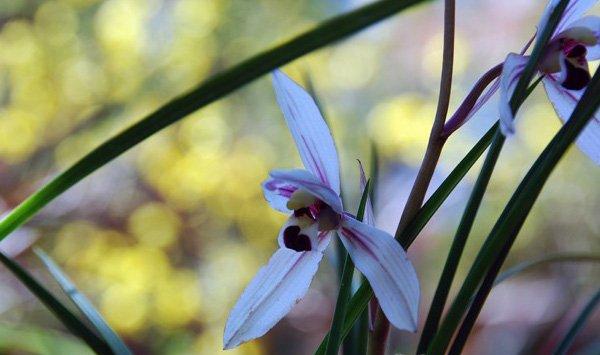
564 66
312 200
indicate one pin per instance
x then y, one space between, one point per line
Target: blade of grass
470 213
84 305
335 337
556 258
361 298
460 238
364 293
490 281
578 325
211 90
68 319
513 217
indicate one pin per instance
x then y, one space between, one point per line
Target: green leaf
84 305
73 324
556 258
515 213
28 339
578 324
460 340
460 238
209 91
360 299
335 334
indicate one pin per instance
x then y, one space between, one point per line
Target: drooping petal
304 180
275 289
369 216
587 31
564 102
312 136
574 11
384 263
511 72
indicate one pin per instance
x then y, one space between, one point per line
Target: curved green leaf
73 324
84 305
209 91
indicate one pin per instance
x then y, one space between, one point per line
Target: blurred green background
164 239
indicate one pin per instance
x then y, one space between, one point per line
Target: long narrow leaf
490 280
335 334
211 90
360 299
556 258
578 324
70 321
460 238
84 305
513 217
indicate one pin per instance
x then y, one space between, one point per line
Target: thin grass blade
67 318
84 305
576 327
209 91
515 213
335 334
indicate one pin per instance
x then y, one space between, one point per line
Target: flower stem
516 211
432 155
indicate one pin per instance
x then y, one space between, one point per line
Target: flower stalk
432 155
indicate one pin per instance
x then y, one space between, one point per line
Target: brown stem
432 154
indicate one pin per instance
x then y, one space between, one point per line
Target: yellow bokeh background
164 239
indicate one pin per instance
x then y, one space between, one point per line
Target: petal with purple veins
311 134
586 31
277 193
384 263
275 289
306 181
573 12
511 72
564 102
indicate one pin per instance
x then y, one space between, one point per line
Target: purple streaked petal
511 72
277 193
306 181
275 289
312 136
574 11
564 102
369 216
384 263
591 23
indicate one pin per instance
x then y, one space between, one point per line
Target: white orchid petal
306 181
574 11
275 289
384 263
302 234
511 72
312 136
369 216
564 102
277 193
591 23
